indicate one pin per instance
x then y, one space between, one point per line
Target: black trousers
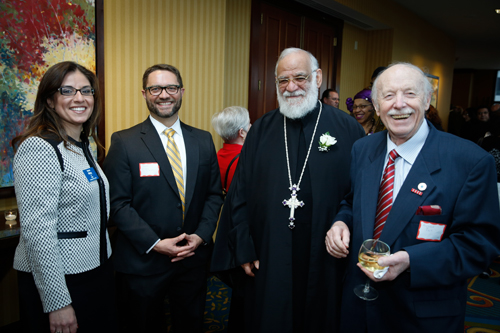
141 300
92 295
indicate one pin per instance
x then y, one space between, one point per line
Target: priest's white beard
296 109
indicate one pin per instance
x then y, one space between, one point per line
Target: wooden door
275 29
319 39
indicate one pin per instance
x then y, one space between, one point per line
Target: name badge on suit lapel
90 174
149 169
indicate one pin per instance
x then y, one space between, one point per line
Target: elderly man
292 174
331 97
436 207
165 200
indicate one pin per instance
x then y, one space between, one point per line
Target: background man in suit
331 97
165 199
443 225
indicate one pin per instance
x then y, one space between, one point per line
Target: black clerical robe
254 221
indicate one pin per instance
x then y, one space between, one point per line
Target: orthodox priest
292 174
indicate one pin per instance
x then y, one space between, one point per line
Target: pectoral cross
293 203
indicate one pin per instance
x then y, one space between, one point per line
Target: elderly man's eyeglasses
283 82
70 91
361 107
157 90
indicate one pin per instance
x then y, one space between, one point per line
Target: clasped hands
170 247
337 245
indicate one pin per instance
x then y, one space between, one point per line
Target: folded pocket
71 234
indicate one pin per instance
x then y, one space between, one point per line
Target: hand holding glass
369 253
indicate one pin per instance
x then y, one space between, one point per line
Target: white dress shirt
408 152
178 138
179 141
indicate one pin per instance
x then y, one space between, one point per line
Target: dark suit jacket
148 208
431 297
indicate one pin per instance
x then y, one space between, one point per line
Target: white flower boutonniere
326 141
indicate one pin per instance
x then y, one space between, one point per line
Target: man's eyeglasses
70 91
361 107
298 80
157 90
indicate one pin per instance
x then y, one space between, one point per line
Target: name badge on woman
90 174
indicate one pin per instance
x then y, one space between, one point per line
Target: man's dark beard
153 109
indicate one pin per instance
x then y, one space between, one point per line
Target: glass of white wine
370 251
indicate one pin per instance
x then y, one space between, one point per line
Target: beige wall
207 40
409 39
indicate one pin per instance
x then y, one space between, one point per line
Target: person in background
455 120
331 97
432 197
479 125
495 111
483 114
165 200
467 114
232 124
375 74
291 176
361 108
65 276
432 115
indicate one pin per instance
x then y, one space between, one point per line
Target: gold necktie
175 161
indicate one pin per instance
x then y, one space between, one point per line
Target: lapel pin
416 191
422 186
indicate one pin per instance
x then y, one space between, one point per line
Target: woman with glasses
362 109
64 274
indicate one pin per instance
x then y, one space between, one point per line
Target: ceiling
473 25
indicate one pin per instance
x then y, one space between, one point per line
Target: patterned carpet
482 316
216 308
483 303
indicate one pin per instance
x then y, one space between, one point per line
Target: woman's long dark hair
46 122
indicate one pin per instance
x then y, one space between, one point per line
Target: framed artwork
34 35
434 80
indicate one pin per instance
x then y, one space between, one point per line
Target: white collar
410 149
160 128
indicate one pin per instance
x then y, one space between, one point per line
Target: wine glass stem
367 286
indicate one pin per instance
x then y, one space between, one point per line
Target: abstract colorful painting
34 35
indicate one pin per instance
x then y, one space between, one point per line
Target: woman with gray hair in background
232 124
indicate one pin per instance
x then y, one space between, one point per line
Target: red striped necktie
384 203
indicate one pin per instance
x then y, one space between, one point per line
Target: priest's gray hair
425 85
312 60
228 122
